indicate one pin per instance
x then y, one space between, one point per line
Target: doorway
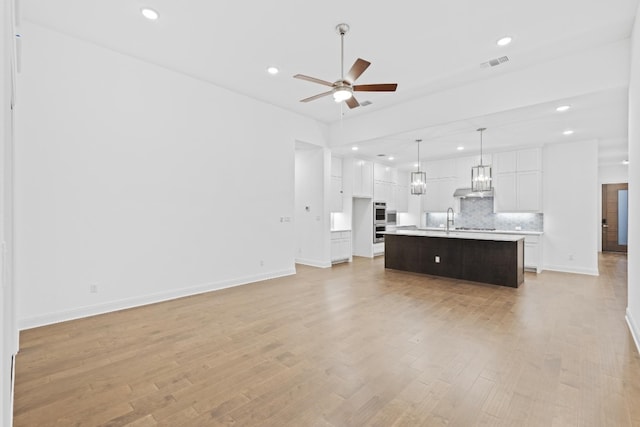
615 198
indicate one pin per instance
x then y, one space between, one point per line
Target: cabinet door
391 196
401 190
505 195
379 172
402 197
463 170
336 202
528 191
362 178
531 255
367 179
528 160
336 166
505 162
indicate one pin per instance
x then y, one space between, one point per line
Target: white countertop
521 232
498 237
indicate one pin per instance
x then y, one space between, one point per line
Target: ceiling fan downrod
342 30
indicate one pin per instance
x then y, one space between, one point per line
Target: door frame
605 222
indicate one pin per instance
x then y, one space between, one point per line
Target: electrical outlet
93 288
570 257
437 259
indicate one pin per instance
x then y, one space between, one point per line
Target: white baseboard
570 269
634 328
313 263
92 310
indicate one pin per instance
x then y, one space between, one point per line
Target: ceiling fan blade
320 95
356 70
313 80
352 102
381 87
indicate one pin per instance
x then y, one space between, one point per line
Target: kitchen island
481 257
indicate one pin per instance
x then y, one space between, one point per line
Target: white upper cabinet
336 166
463 168
402 192
528 160
506 162
362 178
336 197
518 181
384 173
440 169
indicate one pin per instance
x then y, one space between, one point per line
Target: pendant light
481 179
418 179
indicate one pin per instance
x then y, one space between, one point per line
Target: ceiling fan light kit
342 89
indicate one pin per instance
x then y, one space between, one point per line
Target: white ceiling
423 46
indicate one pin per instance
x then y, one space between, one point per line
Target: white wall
311 222
571 214
8 327
633 306
146 182
613 174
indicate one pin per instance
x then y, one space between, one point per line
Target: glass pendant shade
481 178
418 183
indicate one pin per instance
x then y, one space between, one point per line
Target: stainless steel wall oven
379 221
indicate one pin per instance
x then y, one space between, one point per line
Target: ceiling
423 46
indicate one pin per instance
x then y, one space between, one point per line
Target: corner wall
136 184
633 305
571 207
310 220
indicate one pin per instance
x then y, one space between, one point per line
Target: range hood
467 192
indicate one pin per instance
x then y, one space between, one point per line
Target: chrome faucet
449 220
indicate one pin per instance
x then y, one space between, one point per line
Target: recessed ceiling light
354 148
563 108
567 132
415 165
149 13
391 157
625 162
460 148
504 41
273 70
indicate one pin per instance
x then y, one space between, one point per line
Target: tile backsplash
478 213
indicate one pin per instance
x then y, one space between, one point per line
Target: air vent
382 155
494 62
365 103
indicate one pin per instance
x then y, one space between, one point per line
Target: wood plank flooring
353 345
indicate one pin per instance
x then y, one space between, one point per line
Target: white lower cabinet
340 246
533 253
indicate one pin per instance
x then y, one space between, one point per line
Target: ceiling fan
342 90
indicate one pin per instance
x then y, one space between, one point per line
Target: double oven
379 221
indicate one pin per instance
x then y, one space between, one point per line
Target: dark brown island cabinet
495 259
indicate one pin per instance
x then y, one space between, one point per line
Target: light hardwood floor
352 345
